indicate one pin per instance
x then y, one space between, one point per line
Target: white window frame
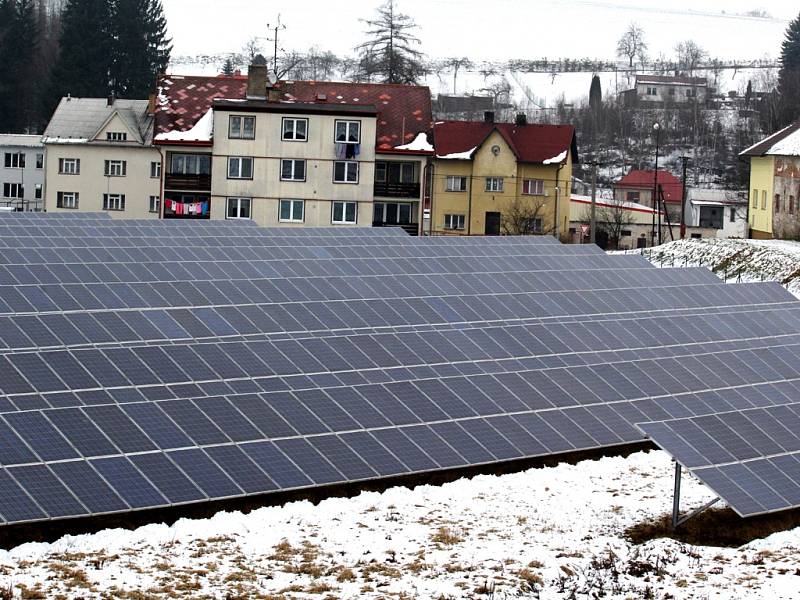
293 204
155 204
180 157
14 160
116 136
69 166
155 169
114 202
9 190
294 132
240 204
454 221
37 191
494 184
450 183
293 171
652 91
533 187
116 168
349 166
242 134
40 161
69 200
344 205
348 125
239 161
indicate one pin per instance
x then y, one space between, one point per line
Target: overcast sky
488 29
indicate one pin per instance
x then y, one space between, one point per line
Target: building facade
637 187
775 185
501 178
718 213
22 172
100 157
660 90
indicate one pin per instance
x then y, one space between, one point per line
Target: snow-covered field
543 533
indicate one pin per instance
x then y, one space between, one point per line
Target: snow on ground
734 260
543 533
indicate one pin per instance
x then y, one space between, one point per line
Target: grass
444 536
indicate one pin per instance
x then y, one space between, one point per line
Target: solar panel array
150 364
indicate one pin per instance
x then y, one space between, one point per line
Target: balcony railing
388 189
181 181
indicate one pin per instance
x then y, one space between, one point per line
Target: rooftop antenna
278 27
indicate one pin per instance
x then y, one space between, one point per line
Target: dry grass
444 536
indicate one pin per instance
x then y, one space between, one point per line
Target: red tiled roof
404 111
531 143
643 180
182 101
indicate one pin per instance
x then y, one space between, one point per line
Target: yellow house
501 178
775 185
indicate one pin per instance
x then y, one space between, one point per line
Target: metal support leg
676 496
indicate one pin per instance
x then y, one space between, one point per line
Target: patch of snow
788 146
556 159
420 144
201 132
457 155
61 140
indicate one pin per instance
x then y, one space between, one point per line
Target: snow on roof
77 120
20 140
458 155
788 146
785 142
611 203
420 144
556 159
201 132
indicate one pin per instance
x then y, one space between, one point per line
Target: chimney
521 119
110 100
151 104
488 116
257 82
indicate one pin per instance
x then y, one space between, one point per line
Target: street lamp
657 130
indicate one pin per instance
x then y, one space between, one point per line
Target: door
492 223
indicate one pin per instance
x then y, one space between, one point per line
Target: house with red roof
502 178
637 186
293 152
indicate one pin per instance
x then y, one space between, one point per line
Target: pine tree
19 36
83 67
227 67
7 101
141 48
389 55
789 74
595 94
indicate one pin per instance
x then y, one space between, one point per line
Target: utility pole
593 224
278 27
684 159
657 129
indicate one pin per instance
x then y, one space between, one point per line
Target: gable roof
643 180
785 142
128 118
404 111
530 143
80 119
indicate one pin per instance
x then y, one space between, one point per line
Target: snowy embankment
543 533
734 260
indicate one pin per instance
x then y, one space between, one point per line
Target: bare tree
527 217
321 64
690 56
455 64
251 49
632 45
389 54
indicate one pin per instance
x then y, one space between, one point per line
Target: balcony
181 181
391 189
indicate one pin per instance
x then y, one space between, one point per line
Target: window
116 136
455 184
763 199
238 208
494 184
632 196
69 166
242 128
755 198
15 160
733 215
13 190
295 130
345 172
696 236
651 91
291 211
533 187
113 201
190 164
155 204
454 221
37 191
348 132
293 170
240 167
777 203
625 233
791 204
344 212
67 200
155 169
40 161
116 168
672 91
